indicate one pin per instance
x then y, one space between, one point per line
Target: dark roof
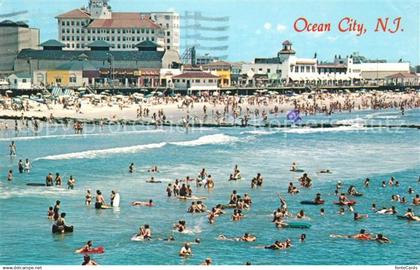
195 74
146 44
75 14
82 65
92 55
286 42
9 23
52 43
99 44
274 60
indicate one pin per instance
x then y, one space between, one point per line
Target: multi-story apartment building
123 30
15 36
169 23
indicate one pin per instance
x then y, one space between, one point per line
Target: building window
77 46
63 23
58 80
72 30
302 69
142 30
296 69
68 31
308 69
210 81
124 46
153 39
268 70
168 33
72 79
147 31
72 23
77 23
24 80
77 31
197 81
168 40
168 47
119 46
68 23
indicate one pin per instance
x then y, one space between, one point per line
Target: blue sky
258 27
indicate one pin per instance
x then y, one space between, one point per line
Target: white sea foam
258 132
351 121
63 136
320 130
208 139
90 154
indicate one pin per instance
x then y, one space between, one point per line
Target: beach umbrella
9 92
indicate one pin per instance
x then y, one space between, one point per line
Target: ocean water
99 159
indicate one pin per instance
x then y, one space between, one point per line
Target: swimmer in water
293 168
139 203
88 197
131 168
362 235
50 212
325 171
185 250
357 216
410 215
382 239
86 248
180 226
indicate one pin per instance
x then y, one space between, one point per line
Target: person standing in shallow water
12 148
10 176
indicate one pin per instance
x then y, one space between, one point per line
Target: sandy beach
224 109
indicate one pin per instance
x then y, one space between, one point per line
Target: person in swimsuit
49 180
86 248
10 175
410 215
50 212
57 210
88 261
382 239
416 200
12 148
180 226
139 203
131 168
185 250
57 179
318 199
88 197
100 201
71 182
28 166
20 166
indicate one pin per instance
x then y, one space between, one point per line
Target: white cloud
281 28
267 26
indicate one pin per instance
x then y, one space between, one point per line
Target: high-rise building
123 30
15 36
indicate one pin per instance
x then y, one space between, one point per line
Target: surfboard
154 182
191 198
297 225
312 202
137 238
36 184
96 250
116 202
297 170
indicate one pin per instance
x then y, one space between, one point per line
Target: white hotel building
123 30
286 68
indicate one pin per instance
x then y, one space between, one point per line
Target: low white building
21 81
286 68
166 76
196 81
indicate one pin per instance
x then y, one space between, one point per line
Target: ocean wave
63 136
208 139
351 121
319 130
259 132
90 154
